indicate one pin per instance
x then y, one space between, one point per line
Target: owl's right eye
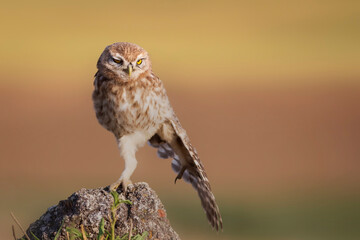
118 61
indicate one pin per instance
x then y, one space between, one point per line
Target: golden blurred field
269 93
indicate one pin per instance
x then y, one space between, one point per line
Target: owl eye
118 61
139 62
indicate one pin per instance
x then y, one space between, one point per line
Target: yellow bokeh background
215 42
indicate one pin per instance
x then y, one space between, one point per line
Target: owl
131 102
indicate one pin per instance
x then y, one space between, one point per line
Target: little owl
131 102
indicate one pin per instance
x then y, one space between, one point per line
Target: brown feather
135 108
195 173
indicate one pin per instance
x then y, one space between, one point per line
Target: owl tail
202 186
209 204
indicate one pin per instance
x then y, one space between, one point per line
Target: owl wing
193 173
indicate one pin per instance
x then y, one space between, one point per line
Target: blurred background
269 92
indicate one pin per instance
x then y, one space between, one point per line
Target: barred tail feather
202 186
209 204
194 173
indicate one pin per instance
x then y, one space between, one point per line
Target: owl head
123 61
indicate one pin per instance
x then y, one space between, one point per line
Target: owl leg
128 146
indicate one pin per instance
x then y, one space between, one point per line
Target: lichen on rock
88 206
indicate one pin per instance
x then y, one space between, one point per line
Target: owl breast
124 109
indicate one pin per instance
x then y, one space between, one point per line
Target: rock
88 206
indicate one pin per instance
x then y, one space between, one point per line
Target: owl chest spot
135 110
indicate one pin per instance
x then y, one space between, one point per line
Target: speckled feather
125 105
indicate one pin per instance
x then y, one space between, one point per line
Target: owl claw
124 182
180 174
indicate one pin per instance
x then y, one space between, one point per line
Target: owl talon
114 186
180 174
123 182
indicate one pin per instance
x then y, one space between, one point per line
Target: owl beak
129 69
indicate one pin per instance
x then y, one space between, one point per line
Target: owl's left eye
139 62
118 61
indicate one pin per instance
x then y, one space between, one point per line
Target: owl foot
180 174
123 182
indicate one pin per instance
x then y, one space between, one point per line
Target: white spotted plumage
131 102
